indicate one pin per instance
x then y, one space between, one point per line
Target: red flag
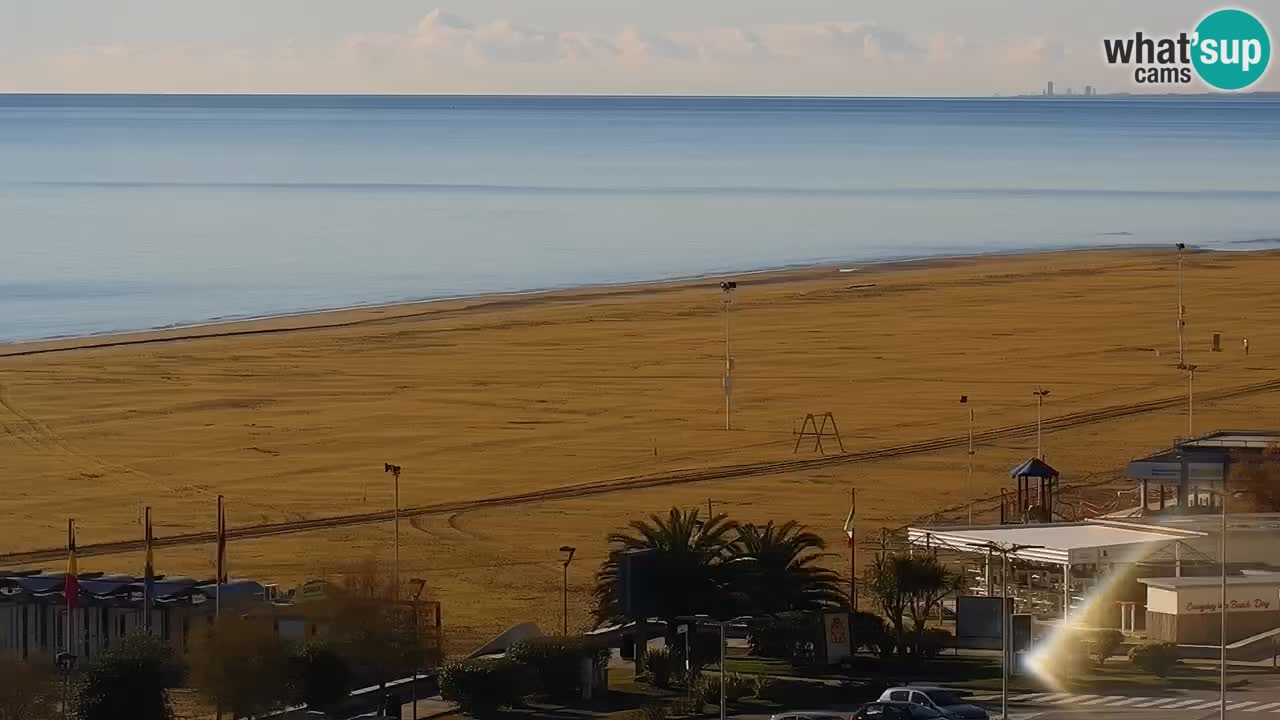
71 586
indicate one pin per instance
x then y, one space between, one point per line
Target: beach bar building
1188 610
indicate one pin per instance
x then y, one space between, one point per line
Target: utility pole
569 550
1191 378
1040 394
1006 617
395 573
726 288
968 486
1182 311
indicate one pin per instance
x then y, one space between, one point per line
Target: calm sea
129 212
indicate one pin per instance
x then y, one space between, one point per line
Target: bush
480 687
1158 659
703 690
761 685
320 677
1105 643
684 707
788 636
28 689
131 680
870 632
557 661
654 711
241 664
934 640
659 667
738 686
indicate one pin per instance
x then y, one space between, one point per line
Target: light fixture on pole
395 574
727 288
1182 310
1041 394
568 558
1006 617
1222 609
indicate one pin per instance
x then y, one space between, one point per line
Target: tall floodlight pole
726 289
1222 622
395 573
1006 617
1040 394
1182 310
569 551
964 400
1191 379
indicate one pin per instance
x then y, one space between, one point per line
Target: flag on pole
71 585
148 575
848 521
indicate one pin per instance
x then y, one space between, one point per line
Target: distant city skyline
806 47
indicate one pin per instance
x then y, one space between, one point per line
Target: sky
704 47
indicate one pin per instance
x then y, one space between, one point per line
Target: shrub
934 640
131 680
1106 643
28 690
703 690
241 664
738 686
320 677
870 632
1158 659
761 685
557 661
788 636
685 707
480 687
654 711
659 667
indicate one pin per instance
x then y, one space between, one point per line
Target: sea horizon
138 212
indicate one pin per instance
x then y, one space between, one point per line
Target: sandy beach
292 418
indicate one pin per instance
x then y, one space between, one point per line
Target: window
899 696
944 697
919 698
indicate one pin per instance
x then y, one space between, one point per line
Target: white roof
1171 583
1079 542
1235 439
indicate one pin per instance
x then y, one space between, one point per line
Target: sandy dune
494 396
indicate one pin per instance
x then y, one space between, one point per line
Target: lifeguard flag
71 586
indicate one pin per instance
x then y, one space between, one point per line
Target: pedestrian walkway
1129 703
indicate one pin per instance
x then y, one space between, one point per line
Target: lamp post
1222 622
395 574
968 485
726 289
568 558
1191 378
1040 394
1182 321
1005 616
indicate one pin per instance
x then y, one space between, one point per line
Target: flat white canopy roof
1077 543
1269 579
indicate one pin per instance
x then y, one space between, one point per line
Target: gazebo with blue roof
1034 469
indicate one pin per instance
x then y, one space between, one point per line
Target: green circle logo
1231 49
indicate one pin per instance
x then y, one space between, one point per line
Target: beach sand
294 417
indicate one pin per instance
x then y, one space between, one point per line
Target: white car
946 702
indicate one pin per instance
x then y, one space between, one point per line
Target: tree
784 573
243 666
28 689
884 581
693 566
910 586
381 639
926 581
1106 642
1259 477
319 676
131 680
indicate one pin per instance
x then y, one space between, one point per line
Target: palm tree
784 573
692 566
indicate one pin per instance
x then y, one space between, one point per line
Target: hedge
557 661
480 687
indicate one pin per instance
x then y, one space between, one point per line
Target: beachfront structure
1190 476
1188 610
33 611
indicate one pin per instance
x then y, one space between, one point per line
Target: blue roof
1034 468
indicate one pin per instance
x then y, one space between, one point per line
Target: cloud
449 53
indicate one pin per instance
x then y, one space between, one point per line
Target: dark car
946 702
896 711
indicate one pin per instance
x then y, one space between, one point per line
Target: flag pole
148 574
222 554
71 583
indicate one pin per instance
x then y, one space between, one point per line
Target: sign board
1170 472
978 622
638 584
835 635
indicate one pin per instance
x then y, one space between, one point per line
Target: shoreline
360 314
